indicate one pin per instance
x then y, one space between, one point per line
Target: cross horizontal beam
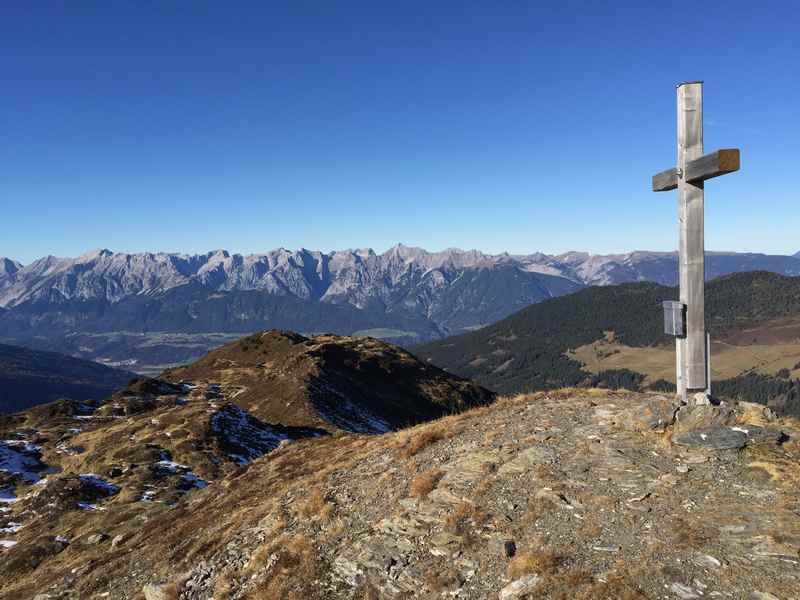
698 170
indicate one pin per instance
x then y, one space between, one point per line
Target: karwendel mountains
147 311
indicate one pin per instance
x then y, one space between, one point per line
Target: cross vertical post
691 262
686 319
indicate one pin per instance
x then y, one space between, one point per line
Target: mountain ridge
152 310
326 273
30 377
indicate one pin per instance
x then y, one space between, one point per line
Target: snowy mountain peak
8 267
94 255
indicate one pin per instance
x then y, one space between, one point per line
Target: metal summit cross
686 319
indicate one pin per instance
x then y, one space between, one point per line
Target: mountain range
149 310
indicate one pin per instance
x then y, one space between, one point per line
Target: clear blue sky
519 126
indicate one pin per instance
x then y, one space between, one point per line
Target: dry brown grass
688 534
463 515
541 562
416 441
259 558
424 483
293 570
317 506
783 469
484 486
172 589
533 512
368 592
223 587
665 439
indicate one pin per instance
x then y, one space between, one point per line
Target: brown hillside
334 382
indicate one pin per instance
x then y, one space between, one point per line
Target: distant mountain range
30 377
146 311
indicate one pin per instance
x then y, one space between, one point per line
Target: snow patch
100 483
12 527
189 480
346 415
7 497
192 480
21 458
244 438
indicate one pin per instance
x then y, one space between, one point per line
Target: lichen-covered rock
713 438
519 587
655 414
704 416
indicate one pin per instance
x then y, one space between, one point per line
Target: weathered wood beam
699 170
666 180
712 165
691 244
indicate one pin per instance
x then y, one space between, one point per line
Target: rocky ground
571 494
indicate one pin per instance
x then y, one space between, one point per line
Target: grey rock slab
348 570
758 410
554 498
445 544
524 461
155 591
684 592
707 416
655 414
759 435
713 438
520 587
767 547
706 561
403 526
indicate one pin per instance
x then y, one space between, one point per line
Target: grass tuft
424 483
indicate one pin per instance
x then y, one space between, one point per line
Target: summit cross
692 344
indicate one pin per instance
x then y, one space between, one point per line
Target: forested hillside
31 377
528 351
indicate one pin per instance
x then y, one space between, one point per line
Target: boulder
159 591
704 416
655 414
96 538
713 438
520 587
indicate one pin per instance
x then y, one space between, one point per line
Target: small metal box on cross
694 168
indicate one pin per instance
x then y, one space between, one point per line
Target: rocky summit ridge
562 494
